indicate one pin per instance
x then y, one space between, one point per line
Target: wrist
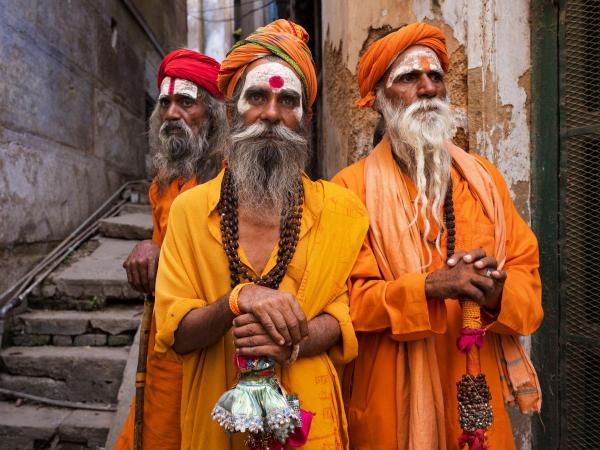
234 295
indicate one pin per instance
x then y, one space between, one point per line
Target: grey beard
418 134
177 155
266 162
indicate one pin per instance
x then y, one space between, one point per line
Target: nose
270 111
426 87
173 112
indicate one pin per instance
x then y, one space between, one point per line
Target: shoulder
196 201
342 200
351 177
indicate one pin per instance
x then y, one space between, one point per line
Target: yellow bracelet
233 299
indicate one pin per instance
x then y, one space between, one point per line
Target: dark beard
266 162
177 154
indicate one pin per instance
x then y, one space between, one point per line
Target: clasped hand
468 275
271 323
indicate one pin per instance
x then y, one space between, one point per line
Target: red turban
282 38
383 52
192 66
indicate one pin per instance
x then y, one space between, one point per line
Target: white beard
418 135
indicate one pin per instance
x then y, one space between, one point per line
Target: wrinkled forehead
274 76
416 57
177 86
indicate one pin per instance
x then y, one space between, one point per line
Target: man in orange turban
188 129
443 233
254 247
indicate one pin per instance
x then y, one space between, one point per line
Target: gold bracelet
233 299
293 356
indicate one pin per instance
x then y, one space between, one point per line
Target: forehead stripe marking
171 86
425 63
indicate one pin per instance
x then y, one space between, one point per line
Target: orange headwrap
382 53
282 38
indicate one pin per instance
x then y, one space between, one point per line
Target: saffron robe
162 391
193 272
378 383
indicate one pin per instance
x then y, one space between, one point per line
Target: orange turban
383 52
282 38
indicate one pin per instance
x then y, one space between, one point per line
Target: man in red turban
443 232
188 129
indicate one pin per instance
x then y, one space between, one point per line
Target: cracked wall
488 83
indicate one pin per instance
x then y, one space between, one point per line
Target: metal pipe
61 403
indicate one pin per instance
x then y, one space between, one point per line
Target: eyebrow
255 90
290 93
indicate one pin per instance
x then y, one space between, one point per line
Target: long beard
266 162
418 134
177 152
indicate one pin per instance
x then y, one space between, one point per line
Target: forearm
202 327
323 333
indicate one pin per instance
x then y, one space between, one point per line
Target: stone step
127 226
89 374
99 274
29 427
136 208
113 326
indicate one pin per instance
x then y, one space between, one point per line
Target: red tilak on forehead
276 82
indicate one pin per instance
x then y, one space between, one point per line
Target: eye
407 77
164 102
256 98
436 76
288 101
186 102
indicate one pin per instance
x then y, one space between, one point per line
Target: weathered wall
75 76
488 81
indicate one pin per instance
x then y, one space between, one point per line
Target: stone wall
76 79
488 82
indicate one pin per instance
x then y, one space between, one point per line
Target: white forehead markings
272 76
179 86
414 59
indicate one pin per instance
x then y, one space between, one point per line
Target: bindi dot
276 82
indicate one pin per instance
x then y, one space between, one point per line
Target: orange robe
372 381
162 392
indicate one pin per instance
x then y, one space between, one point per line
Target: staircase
61 372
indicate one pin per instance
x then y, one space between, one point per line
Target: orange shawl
398 250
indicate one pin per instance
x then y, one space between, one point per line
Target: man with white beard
188 131
444 233
267 249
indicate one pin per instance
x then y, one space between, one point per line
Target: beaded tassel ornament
258 404
474 409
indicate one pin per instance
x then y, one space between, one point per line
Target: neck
266 217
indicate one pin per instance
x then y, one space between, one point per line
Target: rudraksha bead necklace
289 233
449 221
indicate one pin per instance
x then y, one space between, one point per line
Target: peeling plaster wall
488 80
488 83
75 78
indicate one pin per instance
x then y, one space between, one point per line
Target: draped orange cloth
382 53
162 392
282 38
400 392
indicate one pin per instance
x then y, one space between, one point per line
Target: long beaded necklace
289 233
449 221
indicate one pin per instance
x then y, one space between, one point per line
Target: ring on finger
488 273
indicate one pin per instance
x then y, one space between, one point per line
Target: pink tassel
470 337
300 435
475 440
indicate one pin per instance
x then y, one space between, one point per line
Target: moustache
174 126
266 130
